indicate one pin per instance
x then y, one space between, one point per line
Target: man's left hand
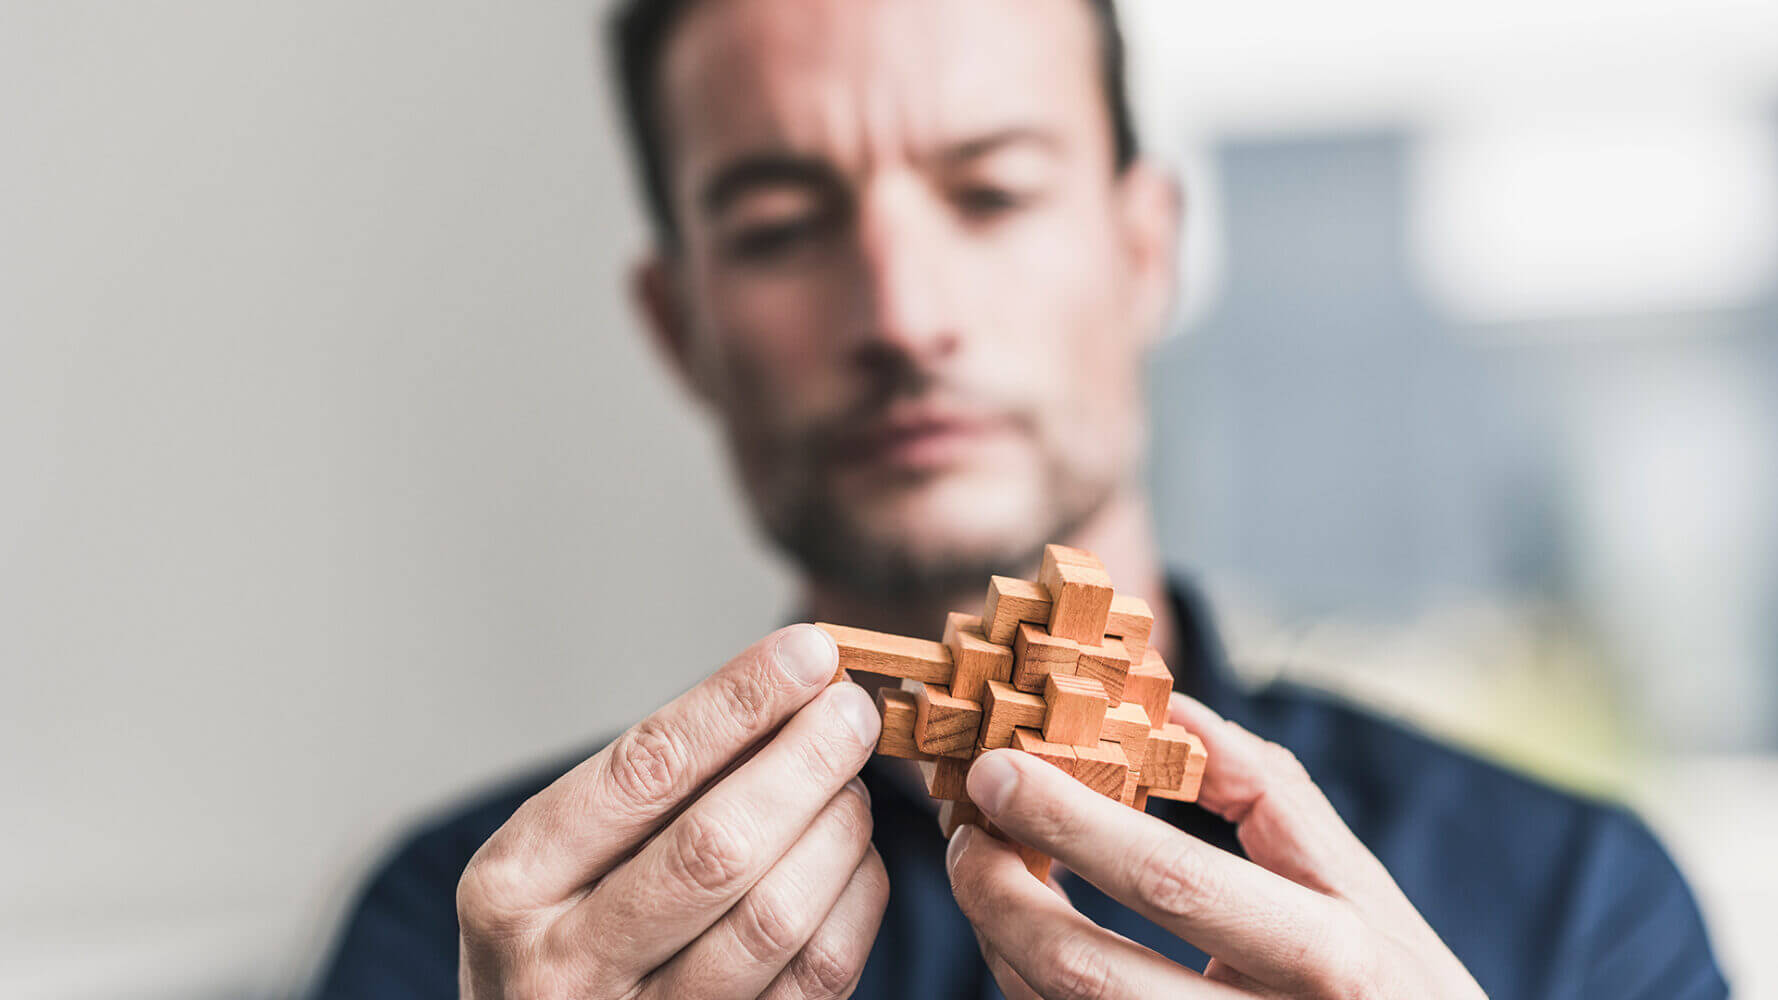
1312 914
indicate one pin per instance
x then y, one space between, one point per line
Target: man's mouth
914 442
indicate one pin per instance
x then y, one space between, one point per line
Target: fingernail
859 712
991 781
857 785
807 655
959 841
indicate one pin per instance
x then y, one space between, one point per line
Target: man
909 258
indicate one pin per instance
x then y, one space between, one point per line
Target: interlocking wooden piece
890 655
1076 709
1011 601
899 712
1005 708
1033 743
1127 725
1036 654
1187 790
1132 621
1169 748
1150 685
975 661
1104 769
1109 664
944 777
1080 595
944 726
953 813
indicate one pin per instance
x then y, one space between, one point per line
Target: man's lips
914 442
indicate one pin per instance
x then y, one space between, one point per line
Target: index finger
571 833
1251 919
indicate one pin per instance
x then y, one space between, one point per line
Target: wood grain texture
898 711
1011 601
1132 621
1109 664
1150 684
944 726
1080 596
1104 769
944 777
1127 725
953 813
1168 749
1076 709
890 655
975 661
1036 654
1032 742
1005 708
1192 782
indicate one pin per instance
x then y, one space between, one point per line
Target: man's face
910 280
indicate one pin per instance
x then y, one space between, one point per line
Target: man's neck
1121 534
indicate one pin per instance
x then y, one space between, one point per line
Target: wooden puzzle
1058 667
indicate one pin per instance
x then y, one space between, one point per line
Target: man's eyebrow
981 145
757 170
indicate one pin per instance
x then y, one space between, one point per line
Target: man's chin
955 521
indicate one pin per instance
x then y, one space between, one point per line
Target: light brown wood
1150 685
944 726
1005 708
975 661
1036 654
1076 709
1127 725
1141 799
1032 742
1192 783
898 711
944 777
953 813
1168 749
1132 621
1109 664
1070 554
1104 769
890 655
1011 601
1080 596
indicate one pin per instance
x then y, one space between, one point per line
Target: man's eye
768 241
983 201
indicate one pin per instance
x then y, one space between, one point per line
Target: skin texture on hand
719 848
1312 914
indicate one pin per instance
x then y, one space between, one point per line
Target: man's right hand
717 849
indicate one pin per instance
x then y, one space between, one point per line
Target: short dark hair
640 30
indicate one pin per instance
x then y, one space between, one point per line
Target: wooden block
1070 554
975 661
1033 743
1011 601
1141 799
1036 862
1080 597
944 777
1103 768
953 813
944 726
890 655
1076 710
1168 749
898 711
1188 788
1036 654
1132 621
1005 708
1127 725
1109 664
1149 685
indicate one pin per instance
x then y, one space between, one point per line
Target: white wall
334 474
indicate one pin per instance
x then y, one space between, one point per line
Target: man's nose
908 307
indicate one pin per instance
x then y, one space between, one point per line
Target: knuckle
1173 878
708 854
1077 969
646 762
769 926
824 969
1282 762
489 900
853 816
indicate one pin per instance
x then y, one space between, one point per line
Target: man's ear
1153 206
655 286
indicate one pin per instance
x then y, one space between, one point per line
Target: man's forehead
856 79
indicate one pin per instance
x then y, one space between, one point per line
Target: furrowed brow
979 146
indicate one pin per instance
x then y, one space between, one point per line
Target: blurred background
336 481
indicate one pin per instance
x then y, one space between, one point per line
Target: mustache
904 406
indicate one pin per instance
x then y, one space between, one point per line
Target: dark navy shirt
1539 893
